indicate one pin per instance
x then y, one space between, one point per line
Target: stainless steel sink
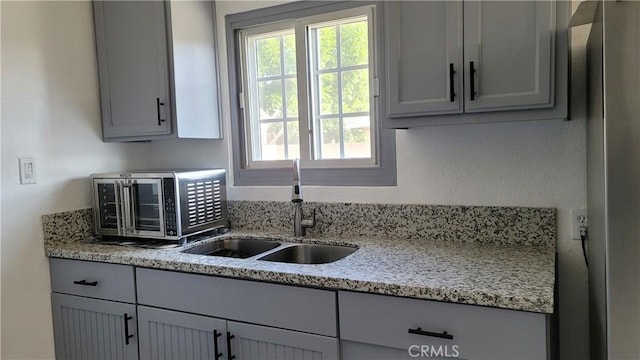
240 248
309 254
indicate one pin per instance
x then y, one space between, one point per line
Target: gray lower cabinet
363 351
261 342
157 68
257 320
94 311
282 306
167 334
119 312
86 328
386 327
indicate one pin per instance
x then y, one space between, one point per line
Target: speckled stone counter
489 273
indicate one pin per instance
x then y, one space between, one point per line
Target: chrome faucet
299 223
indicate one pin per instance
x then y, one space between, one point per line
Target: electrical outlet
27 170
578 220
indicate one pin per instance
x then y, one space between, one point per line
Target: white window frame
338 18
247 94
348 172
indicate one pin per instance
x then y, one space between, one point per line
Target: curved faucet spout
296 190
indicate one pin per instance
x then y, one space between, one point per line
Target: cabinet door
436 328
168 334
352 350
131 44
424 57
261 342
509 55
93 329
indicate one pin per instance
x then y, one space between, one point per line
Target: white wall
49 111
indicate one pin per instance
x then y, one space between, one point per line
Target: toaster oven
159 204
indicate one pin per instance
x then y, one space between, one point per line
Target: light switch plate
27 170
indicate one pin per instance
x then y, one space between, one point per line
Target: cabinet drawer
478 332
93 279
283 306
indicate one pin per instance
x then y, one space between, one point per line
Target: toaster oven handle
119 209
126 204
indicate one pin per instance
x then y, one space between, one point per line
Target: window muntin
334 104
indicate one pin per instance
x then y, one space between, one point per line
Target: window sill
383 175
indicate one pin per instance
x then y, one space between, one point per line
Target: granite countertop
490 274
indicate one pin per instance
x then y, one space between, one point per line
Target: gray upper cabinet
424 44
508 49
133 67
157 69
453 62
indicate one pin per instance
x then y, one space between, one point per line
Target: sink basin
309 254
240 248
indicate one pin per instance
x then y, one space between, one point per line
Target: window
307 84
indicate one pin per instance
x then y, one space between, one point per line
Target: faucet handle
309 223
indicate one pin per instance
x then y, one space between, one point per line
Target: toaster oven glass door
146 208
108 207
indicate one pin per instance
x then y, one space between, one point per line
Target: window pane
328 93
291 94
293 140
357 137
330 139
272 141
355 91
270 94
289 43
327 47
268 56
354 46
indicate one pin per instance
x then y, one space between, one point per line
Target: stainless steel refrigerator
613 180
